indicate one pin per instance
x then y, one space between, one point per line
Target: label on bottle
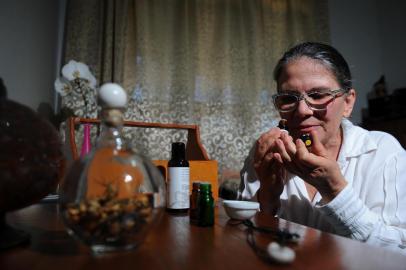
178 188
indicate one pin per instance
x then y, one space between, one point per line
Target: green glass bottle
206 206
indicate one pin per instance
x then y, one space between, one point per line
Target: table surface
175 244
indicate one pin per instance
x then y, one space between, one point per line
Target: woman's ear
349 101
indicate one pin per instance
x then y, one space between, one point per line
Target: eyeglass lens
315 100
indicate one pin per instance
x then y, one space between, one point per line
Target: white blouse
371 208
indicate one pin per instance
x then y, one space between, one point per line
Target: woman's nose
303 109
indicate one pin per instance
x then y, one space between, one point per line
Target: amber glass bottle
194 204
178 180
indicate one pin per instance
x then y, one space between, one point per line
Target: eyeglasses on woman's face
315 100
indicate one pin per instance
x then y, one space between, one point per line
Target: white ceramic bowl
240 210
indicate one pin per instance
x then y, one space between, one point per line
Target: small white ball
113 95
280 254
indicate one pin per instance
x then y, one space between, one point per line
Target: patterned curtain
205 62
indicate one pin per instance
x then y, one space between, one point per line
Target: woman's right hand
269 170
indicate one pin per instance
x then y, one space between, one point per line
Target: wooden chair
201 168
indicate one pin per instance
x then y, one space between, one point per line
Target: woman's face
303 75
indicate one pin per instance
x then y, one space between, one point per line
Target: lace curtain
206 62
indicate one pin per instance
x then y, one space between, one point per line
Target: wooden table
175 244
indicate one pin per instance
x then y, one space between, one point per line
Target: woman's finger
317 147
296 167
265 143
278 158
304 157
280 148
289 144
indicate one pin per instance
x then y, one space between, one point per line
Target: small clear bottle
178 180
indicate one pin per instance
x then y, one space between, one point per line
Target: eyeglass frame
301 96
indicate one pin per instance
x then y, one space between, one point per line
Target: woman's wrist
268 200
334 187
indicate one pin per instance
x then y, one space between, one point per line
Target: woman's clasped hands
278 153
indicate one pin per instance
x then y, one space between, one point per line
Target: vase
86 145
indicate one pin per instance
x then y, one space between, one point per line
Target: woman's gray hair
325 54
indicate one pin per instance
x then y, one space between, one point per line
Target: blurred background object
386 112
3 89
31 163
378 99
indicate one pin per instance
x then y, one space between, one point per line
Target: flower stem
81 92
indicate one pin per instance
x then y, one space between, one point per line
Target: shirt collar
356 141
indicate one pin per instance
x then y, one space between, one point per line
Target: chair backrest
194 148
201 168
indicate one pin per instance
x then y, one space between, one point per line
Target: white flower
74 70
62 86
77 86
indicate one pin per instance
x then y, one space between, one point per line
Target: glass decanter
112 196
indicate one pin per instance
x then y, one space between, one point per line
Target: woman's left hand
315 167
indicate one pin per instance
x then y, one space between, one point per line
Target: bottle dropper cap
282 125
112 95
178 150
113 99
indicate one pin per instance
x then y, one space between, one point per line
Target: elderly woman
350 181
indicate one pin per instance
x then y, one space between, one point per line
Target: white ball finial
113 95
